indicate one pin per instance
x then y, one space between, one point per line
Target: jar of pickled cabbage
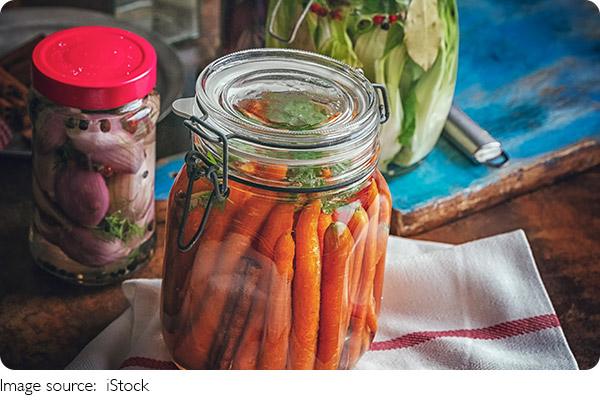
278 222
410 46
94 111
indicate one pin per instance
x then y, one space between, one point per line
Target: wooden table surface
45 322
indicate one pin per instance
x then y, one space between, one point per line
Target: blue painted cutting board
529 73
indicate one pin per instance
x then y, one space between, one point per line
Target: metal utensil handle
474 141
475 133
296 27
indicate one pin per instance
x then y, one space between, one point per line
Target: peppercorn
105 125
83 124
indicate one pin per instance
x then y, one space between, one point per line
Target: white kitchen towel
479 305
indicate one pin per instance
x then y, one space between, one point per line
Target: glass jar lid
93 67
284 97
286 107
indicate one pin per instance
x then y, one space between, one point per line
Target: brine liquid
275 281
93 187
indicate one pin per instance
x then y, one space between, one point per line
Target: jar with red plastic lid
94 110
277 223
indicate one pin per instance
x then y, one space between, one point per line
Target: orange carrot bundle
244 227
279 310
235 315
274 287
337 246
306 289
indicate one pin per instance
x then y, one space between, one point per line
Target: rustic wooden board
528 73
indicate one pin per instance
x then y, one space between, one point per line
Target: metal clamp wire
384 109
195 171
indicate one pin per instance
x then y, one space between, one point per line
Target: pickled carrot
359 312
205 323
371 319
358 225
382 186
274 172
279 221
324 222
344 214
279 310
306 289
246 355
234 318
372 194
382 239
337 245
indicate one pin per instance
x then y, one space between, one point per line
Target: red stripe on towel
147 363
501 331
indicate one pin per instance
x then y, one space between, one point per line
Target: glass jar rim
345 142
277 70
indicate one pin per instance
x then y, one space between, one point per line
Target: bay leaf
423 32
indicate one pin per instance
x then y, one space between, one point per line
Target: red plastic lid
93 67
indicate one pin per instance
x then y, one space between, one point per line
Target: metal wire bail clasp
384 109
199 166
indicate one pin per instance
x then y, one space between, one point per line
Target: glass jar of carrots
278 221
